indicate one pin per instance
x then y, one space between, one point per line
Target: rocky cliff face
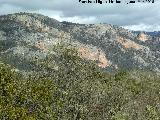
26 37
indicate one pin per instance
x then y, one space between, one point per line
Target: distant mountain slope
26 38
154 34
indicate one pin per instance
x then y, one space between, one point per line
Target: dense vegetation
78 90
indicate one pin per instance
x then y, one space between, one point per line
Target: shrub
25 99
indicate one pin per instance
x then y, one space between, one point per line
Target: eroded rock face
97 55
128 43
142 37
103 61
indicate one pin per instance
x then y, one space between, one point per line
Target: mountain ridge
25 37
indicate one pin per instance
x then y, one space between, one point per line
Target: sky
137 16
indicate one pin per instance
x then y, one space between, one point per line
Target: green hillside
78 90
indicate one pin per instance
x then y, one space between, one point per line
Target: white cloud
7 9
76 19
134 16
143 27
58 15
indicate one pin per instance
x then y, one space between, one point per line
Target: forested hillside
78 90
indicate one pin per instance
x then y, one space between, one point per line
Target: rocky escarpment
26 37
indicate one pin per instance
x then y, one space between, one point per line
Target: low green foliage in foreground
79 91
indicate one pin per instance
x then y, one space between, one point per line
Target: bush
25 99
